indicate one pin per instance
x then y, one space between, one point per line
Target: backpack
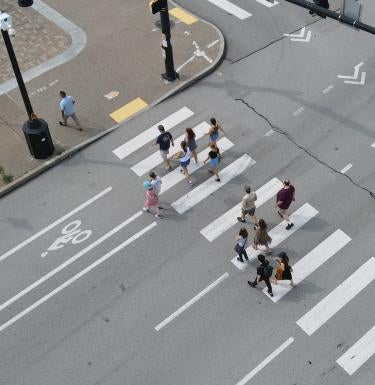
267 271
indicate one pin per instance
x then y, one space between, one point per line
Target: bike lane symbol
70 233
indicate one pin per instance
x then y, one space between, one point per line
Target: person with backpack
264 273
283 269
241 242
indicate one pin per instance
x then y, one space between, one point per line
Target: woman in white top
184 157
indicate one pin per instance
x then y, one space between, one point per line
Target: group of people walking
284 198
187 151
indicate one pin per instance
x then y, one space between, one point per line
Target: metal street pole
170 73
17 72
333 15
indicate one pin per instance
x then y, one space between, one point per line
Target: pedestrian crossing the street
318 315
279 234
229 219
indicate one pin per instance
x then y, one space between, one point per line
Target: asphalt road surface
95 291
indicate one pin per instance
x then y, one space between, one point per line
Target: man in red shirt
283 200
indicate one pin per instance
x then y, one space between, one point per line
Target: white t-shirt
156 184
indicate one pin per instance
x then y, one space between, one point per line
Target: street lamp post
36 130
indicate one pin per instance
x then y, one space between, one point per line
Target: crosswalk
332 303
238 12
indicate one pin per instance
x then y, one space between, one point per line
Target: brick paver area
37 39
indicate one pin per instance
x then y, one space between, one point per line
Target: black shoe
240 259
289 226
270 293
161 208
247 259
62 124
255 228
241 220
217 180
251 284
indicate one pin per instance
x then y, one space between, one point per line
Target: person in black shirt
164 141
213 157
264 273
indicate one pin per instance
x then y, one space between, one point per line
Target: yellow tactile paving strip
183 16
128 110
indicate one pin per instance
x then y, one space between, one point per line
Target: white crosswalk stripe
155 159
206 188
310 262
279 234
229 219
151 133
231 8
359 353
176 176
338 298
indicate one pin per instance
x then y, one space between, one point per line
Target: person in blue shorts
184 156
213 157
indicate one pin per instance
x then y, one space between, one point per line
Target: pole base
165 76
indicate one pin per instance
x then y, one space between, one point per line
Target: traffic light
25 3
156 6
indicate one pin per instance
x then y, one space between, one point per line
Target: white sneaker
145 209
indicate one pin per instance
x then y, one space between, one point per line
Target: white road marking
75 277
329 88
151 133
176 176
279 233
191 302
346 168
355 75
267 3
359 353
373 145
229 219
310 262
206 188
212 43
266 361
297 112
338 298
69 261
56 223
155 159
269 133
231 8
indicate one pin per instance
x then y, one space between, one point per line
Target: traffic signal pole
334 15
162 7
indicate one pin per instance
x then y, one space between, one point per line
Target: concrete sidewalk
108 56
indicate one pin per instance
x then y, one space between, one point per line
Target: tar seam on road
308 152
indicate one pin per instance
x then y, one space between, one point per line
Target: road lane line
208 187
297 112
191 302
269 133
69 261
373 145
346 168
266 361
311 262
155 159
359 353
231 8
151 133
176 176
329 88
229 219
338 298
279 233
54 224
267 3
75 277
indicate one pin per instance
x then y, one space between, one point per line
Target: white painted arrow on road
353 79
300 36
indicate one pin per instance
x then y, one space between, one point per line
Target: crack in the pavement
304 149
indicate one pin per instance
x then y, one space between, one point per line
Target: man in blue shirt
67 109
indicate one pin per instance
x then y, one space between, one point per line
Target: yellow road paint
128 110
183 16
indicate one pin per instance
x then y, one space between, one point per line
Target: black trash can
38 138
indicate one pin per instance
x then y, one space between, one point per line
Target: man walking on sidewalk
264 273
248 206
67 109
283 200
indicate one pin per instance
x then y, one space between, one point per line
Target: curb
71 151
